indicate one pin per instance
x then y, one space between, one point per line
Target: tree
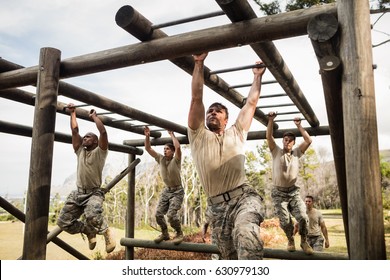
274 7
258 168
148 188
115 203
191 185
385 181
309 163
56 205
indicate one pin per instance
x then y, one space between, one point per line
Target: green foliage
257 167
386 198
277 6
303 4
7 218
380 4
274 7
56 205
309 163
271 8
97 255
385 182
385 168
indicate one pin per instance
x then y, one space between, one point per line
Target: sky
159 88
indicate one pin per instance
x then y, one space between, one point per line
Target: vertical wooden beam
365 208
38 194
130 218
324 35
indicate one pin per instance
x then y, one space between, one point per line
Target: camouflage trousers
208 216
316 242
286 205
90 206
170 202
235 226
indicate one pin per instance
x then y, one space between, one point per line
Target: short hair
289 134
93 135
170 146
220 106
309 196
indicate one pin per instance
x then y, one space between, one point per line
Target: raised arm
306 137
103 137
176 143
197 112
148 147
245 116
270 131
76 138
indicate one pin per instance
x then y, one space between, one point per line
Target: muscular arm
246 114
270 131
197 111
103 137
76 138
176 143
325 233
306 137
148 147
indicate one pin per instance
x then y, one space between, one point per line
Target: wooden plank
365 211
38 194
323 32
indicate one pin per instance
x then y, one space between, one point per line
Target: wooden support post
365 210
130 218
323 32
38 194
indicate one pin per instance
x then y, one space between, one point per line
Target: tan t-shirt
285 167
169 170
90 166
219 159
315 219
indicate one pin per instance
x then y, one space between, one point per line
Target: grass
11 239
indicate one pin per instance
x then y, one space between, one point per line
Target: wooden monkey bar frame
347 84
